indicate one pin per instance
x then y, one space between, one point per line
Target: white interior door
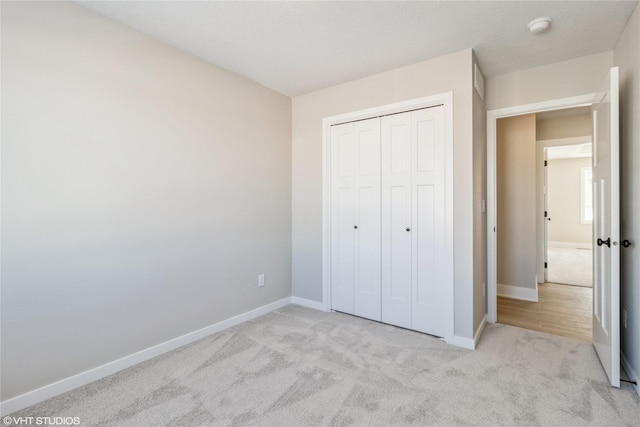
355 218
606 228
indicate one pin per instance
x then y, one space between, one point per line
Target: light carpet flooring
301 367
570 266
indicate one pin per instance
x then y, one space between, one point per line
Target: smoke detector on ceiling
539 25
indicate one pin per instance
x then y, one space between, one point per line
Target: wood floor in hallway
561 310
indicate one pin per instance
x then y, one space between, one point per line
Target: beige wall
564 79
564 127
627 57
447 73
516 200
564 201
143 191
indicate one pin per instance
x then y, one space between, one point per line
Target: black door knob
604 242
408 229
355 226
625 243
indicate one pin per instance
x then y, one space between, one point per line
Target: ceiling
296 47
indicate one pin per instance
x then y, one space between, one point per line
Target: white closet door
342 218
396 219
414 221
367 184
428 311
355 218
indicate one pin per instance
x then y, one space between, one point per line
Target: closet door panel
355 218
368 159
424 252
344 154
428 215
343 242
398 149
343 253
367 184
425 144
396 219
400 245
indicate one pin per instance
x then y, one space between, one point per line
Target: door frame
446 100
492 117
543 231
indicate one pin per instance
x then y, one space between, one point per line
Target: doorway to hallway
568 225
544 222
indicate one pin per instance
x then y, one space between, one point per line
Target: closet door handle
604 242
625 243
408 229
355 226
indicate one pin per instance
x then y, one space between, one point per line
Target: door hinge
545 265
545 163
545 214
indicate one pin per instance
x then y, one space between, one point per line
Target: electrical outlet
260 279
624 318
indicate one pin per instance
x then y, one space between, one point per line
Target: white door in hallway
355 218
606 228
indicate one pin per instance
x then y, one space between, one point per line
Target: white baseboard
469 343
517 292
46 392
633 376
553 244
478 333
463 342
308 303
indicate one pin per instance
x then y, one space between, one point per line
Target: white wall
564 201
143 190
627 57
447 73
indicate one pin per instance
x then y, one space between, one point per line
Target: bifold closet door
414 220
355 218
